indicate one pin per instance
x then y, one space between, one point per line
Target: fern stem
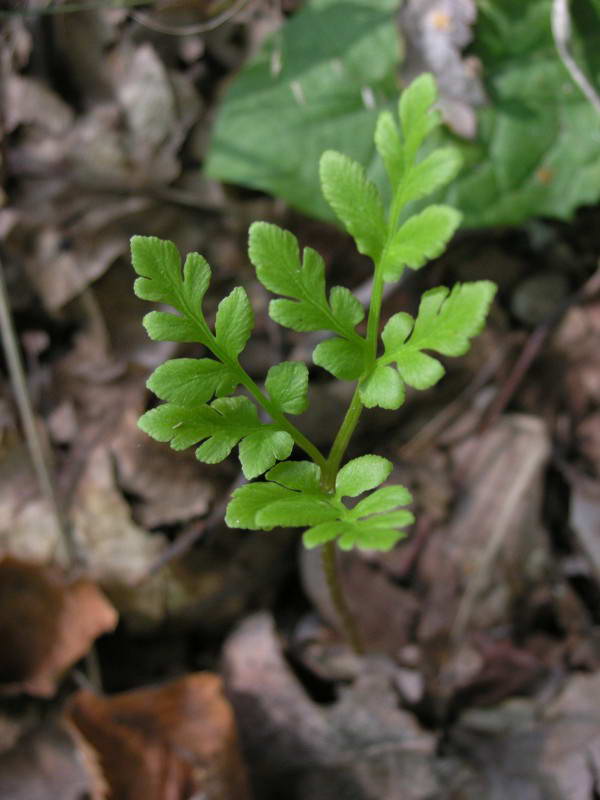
261 398
328 553
340 443
328 560
374 315
299 438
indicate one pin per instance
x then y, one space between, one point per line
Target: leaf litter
482 625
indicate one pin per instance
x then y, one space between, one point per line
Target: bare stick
561 30
37 450
32 435
190 29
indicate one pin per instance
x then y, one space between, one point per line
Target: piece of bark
172 742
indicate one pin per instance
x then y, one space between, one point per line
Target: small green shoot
200 407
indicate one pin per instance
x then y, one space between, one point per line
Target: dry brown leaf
47 624
385 622
584 519
577 342
27 527
172 487
535 749
50 763
493 549
364 745
572 745
116 549
173 742
28 101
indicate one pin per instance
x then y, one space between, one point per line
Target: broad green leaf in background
536 151
316 84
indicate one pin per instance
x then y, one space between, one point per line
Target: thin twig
328 559
38 453
174 550
70 8
532 349
191 29
561 30
188 538
441 421
34 441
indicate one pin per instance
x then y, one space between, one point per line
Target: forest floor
226 676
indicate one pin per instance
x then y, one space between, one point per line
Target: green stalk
328 560
298 437
375 313
330 470
341 442
261 398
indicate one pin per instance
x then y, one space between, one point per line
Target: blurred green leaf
536 151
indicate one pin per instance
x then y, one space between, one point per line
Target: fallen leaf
493 549
27 526
535 749
28 101
173 742
363 745
584 520
48 763
47 624
386 621
171 487
576 344
117 551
